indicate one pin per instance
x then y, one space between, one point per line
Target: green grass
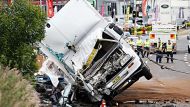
14 90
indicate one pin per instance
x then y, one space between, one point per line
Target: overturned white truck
95 58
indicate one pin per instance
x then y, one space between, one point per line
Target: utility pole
135 8
126 12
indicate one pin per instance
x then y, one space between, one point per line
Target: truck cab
94 54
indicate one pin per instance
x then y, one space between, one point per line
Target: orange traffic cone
103 103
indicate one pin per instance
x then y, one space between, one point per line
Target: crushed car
91 54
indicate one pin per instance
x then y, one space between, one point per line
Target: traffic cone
103 103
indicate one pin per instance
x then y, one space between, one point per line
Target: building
57 4
180 10
120 6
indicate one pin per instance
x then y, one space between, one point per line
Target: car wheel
188 49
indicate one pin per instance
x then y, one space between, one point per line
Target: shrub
21 26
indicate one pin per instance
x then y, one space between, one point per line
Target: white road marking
185 59
186 62
185 55
189 65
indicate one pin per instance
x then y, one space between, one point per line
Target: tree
21 26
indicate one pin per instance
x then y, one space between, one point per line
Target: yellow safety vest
131 43
169 47
139 42
159 48
146 44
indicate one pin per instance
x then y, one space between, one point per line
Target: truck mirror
118 30
111 25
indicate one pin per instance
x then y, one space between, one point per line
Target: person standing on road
139 47
159 51
131 43
146 47
169 51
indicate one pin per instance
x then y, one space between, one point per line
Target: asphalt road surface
167 88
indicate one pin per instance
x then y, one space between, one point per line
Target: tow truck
93 58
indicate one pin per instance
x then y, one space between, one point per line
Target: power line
164 66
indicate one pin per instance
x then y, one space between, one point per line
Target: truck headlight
124 60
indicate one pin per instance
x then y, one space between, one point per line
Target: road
165 86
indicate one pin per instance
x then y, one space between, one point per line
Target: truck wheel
147 73
188 49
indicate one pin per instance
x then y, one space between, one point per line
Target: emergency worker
131 43
169 51
139 44
146 47
159 51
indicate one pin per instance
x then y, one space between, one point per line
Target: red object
50 8
143 30
172 36
102 9
9 2
152 36
103 103
144 5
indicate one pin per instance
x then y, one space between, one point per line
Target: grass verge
16 91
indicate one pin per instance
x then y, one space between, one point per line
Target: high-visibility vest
169 47
139 42
159 48
146 44
131 43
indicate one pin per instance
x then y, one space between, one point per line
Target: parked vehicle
165 33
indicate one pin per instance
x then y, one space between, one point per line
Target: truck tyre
147 73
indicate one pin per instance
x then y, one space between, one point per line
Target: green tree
21 26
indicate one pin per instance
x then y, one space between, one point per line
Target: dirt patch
157 90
